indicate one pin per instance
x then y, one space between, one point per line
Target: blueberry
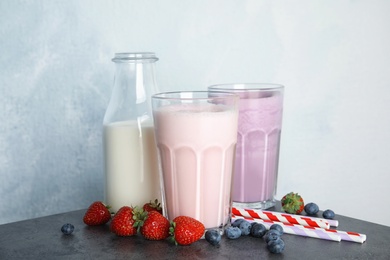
311 208
245 227
67 229
272 234
277 227
213 236
258 230
276 246
233 232
276 230
237 222
328 214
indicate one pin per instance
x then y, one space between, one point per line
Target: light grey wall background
56 78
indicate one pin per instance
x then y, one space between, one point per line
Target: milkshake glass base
255 205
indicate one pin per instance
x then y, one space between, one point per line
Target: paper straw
285 218
349 236
321 233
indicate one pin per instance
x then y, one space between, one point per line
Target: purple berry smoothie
258 142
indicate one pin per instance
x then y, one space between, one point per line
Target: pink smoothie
197 146
257 154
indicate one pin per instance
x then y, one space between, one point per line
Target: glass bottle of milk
130 155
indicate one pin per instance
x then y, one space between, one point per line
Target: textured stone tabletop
41 238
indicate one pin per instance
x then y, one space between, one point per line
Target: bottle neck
134 83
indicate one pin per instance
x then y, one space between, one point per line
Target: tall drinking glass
258 142
196 135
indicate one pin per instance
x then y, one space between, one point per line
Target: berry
258 230
186 230
272 234
245 227
97 214
275 231
233 232
328 214
311 209
124 223
237 222
153 206
213 236
67 229
292 203
276 246
277 227
155 226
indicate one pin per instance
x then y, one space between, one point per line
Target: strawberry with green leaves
292 203
124 223
153 206
97 214
155 226
186 230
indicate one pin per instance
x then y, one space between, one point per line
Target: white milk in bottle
130 164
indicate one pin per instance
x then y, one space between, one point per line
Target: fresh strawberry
124 223
155 226
153 206
292 203
97 214
186 230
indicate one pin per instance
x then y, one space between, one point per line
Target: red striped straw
285 218
315 232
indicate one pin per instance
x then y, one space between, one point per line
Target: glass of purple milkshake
258 142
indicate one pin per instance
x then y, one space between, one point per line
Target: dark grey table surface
41 238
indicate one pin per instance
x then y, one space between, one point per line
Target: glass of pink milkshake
196 135
258 142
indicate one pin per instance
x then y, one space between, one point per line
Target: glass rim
245 87
170 95
134 57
